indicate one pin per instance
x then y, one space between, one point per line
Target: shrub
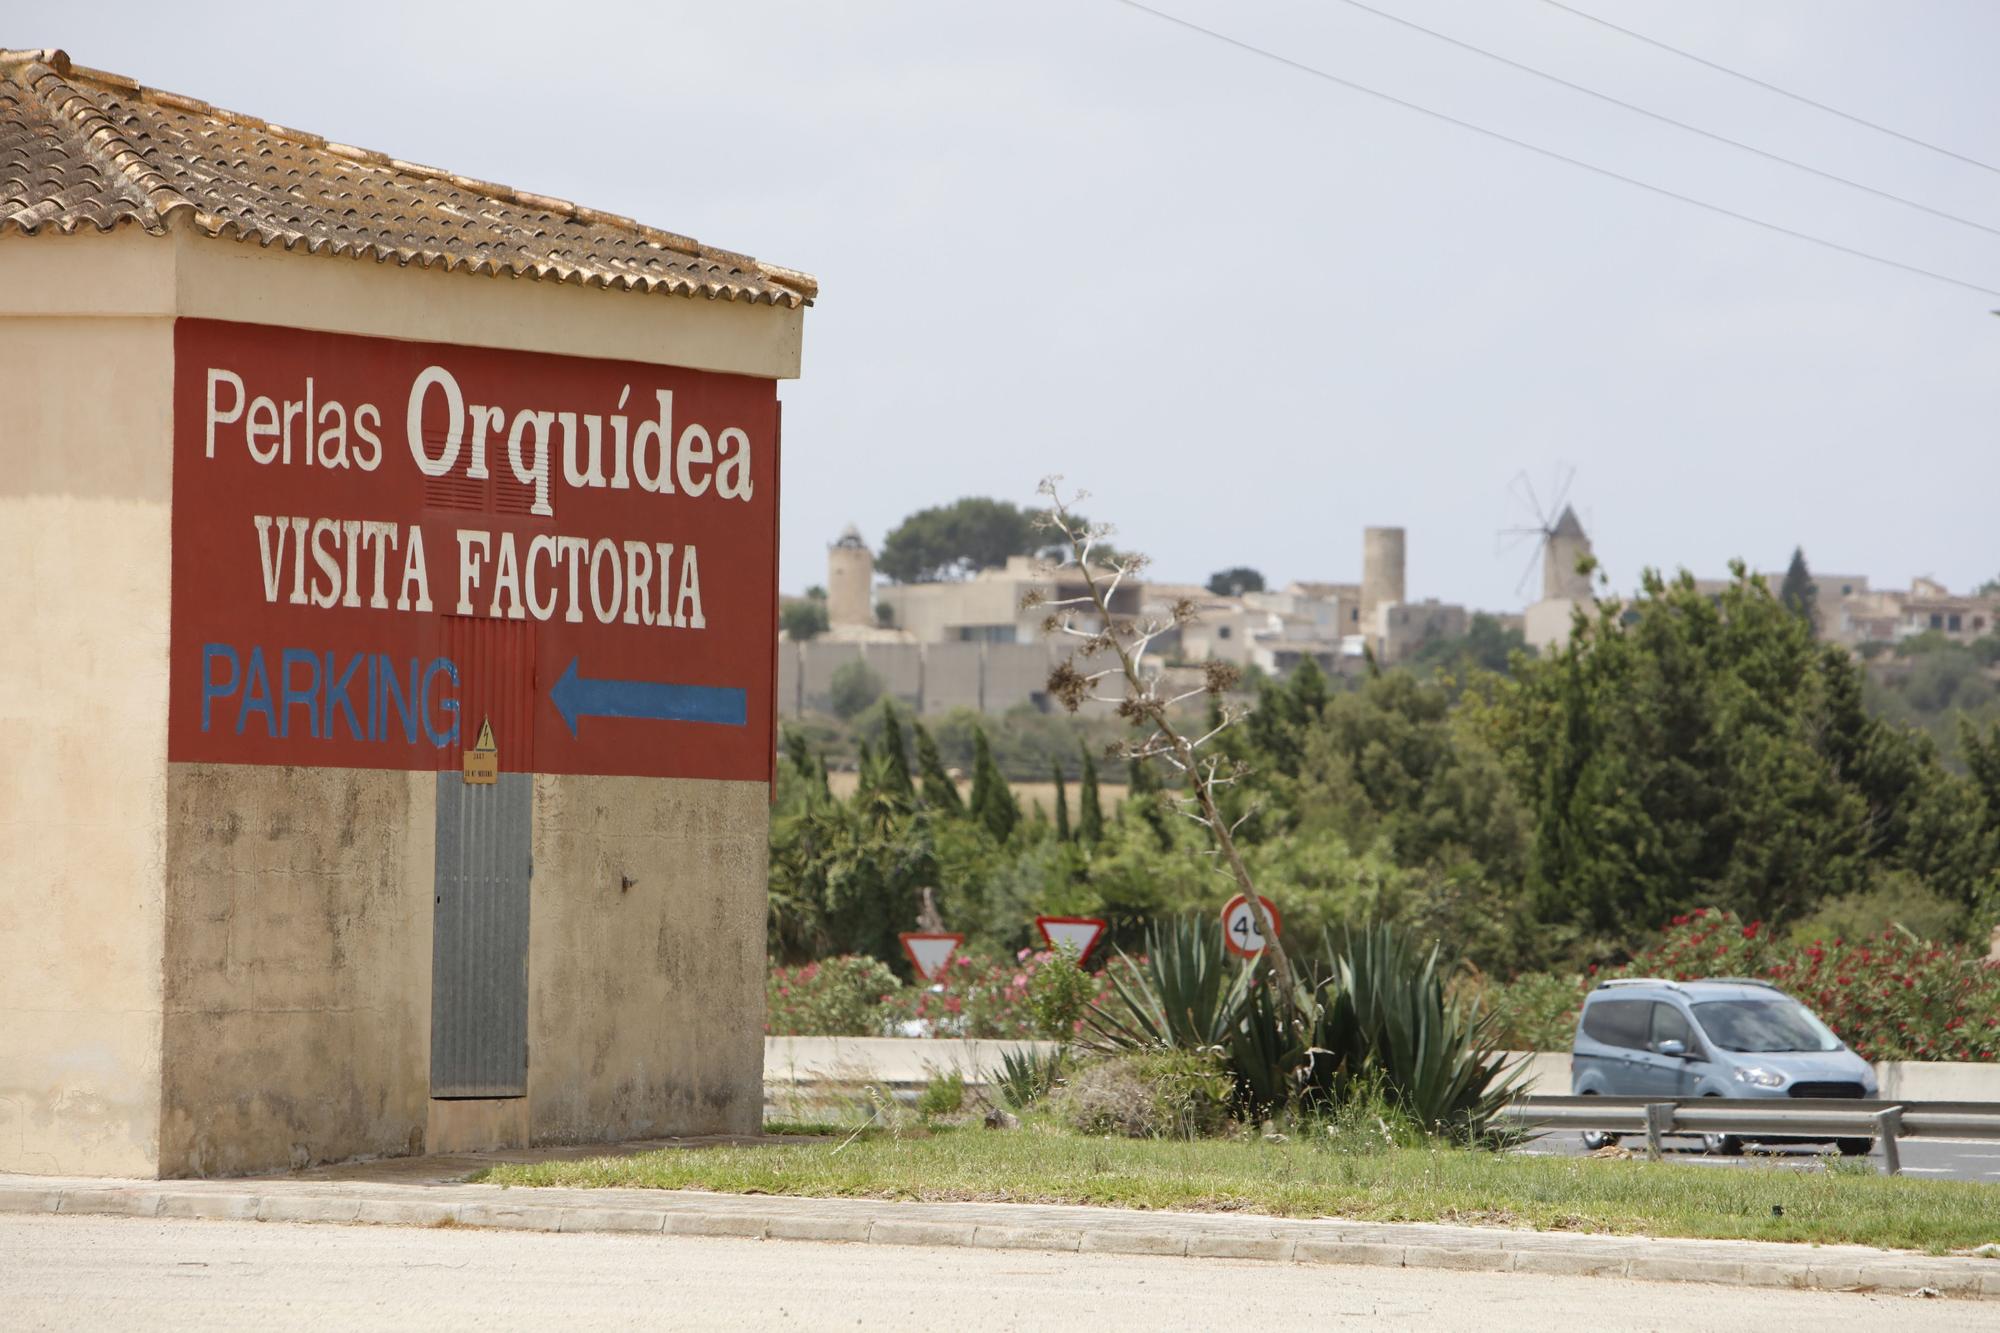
1159 1094
1890 996
1058 992
943 1095
837 997
1536 1011
1025 1077
980 997
1897 899
1372 1009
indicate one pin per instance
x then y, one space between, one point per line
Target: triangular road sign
930 954
1079 932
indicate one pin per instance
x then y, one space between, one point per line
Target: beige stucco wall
84 480
219 279
268 931
646 1004
298 966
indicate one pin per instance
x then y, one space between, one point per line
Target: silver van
1726 1037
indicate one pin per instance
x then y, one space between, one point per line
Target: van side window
1619 1022
1669 1024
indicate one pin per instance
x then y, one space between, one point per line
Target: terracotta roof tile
82 148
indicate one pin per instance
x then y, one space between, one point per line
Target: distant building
1547 623
987 608
850 582
1409 626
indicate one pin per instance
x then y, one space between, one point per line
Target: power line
1773 88
1669 120
1552 154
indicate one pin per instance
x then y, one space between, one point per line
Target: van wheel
1854 1147
1595 1140
1721 1145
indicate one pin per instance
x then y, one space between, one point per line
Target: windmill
1557 534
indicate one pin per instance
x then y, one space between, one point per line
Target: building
1547 623
989 607
1931 609
387 699
850 583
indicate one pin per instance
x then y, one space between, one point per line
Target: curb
1076 1230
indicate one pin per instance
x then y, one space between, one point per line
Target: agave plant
1386 1014
1182 993
1028 1075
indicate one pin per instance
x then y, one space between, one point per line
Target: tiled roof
81 148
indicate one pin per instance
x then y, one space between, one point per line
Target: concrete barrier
795 1061
800 1061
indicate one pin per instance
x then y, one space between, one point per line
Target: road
1923 1159
99 1273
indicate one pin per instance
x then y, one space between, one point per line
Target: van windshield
1764 1025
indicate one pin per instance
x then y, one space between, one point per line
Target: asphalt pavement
115 1273
1935 1159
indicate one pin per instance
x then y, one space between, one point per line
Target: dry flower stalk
1135 690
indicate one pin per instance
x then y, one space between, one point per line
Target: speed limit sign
1239 925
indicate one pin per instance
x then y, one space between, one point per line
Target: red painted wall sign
379 545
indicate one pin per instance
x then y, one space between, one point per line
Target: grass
1298 1178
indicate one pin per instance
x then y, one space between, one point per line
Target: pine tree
1062 804
895 762
1798 592
940 792
1090 821
992 801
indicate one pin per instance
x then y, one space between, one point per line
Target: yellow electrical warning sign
482 761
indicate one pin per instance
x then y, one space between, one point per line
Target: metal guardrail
1764 1118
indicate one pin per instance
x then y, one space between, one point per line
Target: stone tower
850 582
1381 575
1564 545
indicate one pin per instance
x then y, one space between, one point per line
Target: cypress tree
1798 593
1090 821
940 792
895 762
799 754
992 800
1062 804
864 768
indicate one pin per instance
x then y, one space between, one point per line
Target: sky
1250 311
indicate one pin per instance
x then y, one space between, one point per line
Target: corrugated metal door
479 949
479 940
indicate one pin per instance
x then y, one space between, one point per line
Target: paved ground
428 1192
82 1272
1934 1159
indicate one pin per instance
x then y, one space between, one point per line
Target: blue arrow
579 696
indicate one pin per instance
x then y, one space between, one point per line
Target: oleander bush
836 997
857 996
1891 996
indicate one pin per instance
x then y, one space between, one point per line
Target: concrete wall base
477 1125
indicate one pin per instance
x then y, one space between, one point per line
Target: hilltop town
937 644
